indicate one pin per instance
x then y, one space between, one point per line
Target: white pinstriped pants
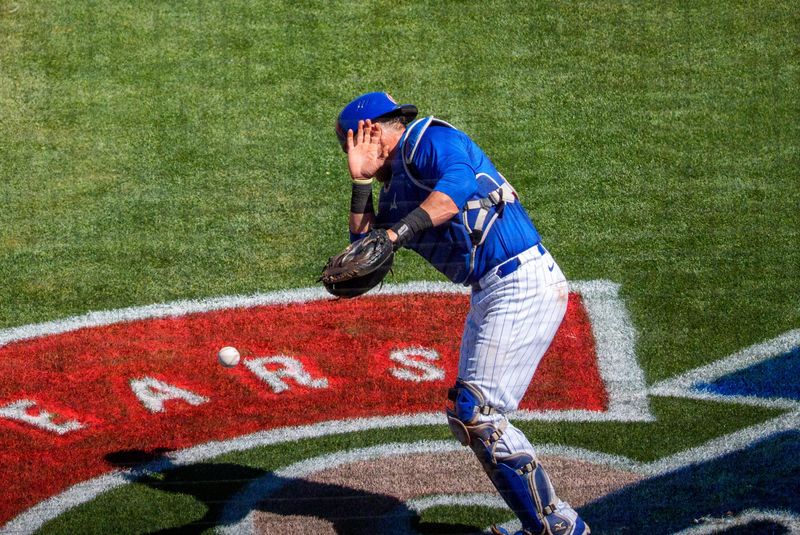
510 325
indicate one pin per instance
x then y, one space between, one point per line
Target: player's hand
365 151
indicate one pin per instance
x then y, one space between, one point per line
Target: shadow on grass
760 481
216 485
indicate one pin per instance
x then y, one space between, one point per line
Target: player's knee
464 418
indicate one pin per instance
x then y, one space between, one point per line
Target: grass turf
152 151
156 151
195 495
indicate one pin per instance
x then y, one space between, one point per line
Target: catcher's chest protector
483 209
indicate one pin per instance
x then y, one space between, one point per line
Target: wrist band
361 199
415 222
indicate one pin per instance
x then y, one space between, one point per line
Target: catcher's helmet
370 106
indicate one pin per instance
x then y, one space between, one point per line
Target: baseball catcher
443 198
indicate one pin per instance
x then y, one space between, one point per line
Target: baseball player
442 197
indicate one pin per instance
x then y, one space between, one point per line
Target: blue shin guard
526 488
519 478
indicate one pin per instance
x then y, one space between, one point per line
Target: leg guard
519 478
464 417
527 489
525 486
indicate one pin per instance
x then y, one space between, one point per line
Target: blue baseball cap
370 106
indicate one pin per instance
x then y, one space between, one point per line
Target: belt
510 266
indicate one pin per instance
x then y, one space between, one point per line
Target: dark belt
508 267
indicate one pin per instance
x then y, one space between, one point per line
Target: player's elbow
440 207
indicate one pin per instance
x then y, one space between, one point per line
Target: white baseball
228 356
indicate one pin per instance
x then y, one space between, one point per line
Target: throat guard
410 142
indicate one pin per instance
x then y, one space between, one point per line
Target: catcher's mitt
360 267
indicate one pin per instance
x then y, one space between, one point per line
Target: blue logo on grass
754 490
778 377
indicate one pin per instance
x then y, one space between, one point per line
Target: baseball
228 356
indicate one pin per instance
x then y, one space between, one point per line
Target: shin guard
519 478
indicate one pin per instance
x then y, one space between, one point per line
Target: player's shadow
219 485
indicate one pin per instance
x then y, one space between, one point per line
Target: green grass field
158 150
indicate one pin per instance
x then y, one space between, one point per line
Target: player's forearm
362 212
361 223
440 207
436 209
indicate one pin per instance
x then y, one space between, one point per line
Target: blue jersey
492 225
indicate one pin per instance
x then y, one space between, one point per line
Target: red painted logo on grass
68 402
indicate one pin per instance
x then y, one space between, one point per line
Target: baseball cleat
553 527
561 526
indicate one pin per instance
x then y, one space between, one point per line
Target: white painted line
685 384
165 310
767 403
581 415
615 339
625 387
718 525
738 361
418 505
41 513
724 445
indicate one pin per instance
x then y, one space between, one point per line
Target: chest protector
483 208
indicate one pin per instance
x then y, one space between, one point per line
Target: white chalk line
626 387
710 525
686 384
35 517
614 335
615 344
